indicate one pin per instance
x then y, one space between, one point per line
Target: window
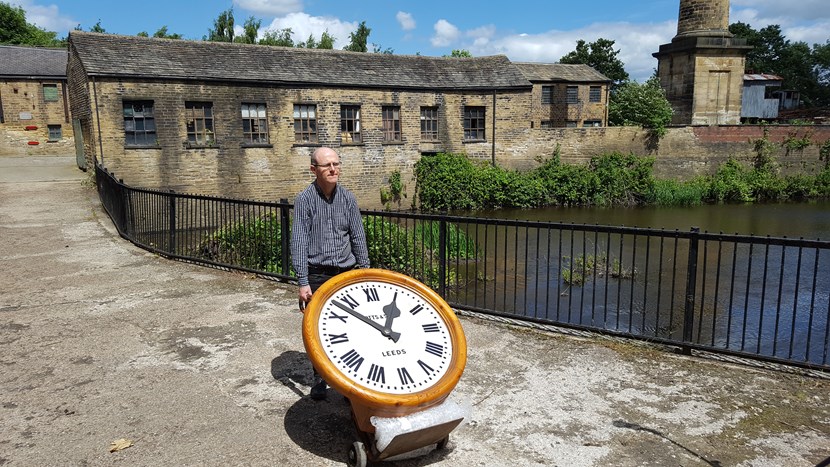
572 95
547 94
254 124
391 123
592 123
55 133
350 123
199 117
305 123
546 124
429 123
595 94
139 123
50 92
473 123
571 124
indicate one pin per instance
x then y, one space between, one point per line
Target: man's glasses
330 165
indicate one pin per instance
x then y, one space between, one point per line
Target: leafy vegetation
453 182
644 105
14 29
601 56
251 243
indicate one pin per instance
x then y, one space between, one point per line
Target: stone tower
702 68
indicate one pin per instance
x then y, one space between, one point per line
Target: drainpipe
98 120
493 150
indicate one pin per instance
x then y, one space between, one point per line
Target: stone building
34 106
702 68
241 120
567 96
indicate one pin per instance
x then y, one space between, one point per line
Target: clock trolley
393 347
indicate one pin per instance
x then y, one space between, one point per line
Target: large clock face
385 337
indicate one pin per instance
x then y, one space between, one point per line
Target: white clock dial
385 337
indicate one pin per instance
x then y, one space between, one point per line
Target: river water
794 220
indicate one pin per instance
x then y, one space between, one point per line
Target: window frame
474 124
305 123
572 95
547 95
55 132
594 123
256 131
546 124
350 131
429 123
595 94
148 131
46 96
196 113
391 121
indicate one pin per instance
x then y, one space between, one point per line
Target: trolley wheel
357 455
442 443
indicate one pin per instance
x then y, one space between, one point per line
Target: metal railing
763 298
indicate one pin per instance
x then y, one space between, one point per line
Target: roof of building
541 72
762 77
32 62
133 56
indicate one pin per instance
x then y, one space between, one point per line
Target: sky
523 30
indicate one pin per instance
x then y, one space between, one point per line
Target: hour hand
386 332
391 311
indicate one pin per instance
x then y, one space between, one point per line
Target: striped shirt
327 232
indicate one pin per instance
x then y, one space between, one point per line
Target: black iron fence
758 297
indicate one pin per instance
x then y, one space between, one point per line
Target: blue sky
524 30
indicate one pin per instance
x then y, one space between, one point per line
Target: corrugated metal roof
560 72
761 77
114 55
32 62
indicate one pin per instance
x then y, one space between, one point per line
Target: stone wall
25 97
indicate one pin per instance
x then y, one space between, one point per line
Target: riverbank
196 366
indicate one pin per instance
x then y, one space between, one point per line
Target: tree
249 31
14 29
98 28
601 56
161 33
280 38
357 39
380 50
460 53
326 41
795 62
641 104
222 28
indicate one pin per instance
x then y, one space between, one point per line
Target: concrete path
101 341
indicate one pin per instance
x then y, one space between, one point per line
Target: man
327 235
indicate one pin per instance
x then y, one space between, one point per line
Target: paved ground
100 340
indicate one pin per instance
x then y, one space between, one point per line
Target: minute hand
386 332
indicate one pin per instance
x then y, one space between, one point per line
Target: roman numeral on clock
376 374
431 327
371 294
404 376
352 359
427 369
435 349
416 310
350 301
338 338
336 316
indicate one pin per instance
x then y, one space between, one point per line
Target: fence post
691 286
172 240
284 231
442 257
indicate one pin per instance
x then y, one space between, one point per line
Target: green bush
252 243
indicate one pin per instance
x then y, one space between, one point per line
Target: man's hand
304 294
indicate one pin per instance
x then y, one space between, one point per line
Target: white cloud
303 25
271 7
807 21
636 43
406 20
445 33
46 17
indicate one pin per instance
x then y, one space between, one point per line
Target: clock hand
391 311
386 332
